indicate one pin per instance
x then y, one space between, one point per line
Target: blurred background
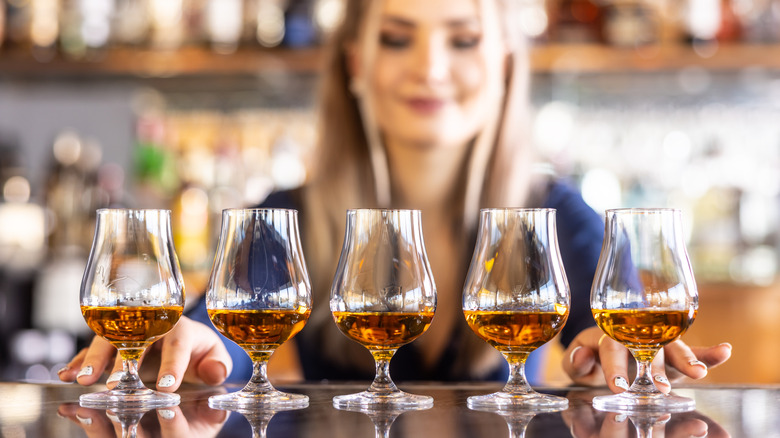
195 105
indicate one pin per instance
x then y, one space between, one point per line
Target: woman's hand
593 358
190 352
190 420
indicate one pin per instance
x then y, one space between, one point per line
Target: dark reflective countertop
30 410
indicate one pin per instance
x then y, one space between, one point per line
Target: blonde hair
350 169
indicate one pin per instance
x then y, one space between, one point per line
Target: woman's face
438 73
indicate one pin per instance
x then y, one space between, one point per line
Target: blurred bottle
225 22
299 24
168 23
155 173
44 28
575 21
269 22
630 23
131 22
17 24
190 214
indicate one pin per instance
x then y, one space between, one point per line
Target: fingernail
661 379
84 421
86 371
573 352
166 381
621 382
112 416
698 363
115 377
726 344
62 370
166 413
619 418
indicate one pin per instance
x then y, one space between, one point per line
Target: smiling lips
425 105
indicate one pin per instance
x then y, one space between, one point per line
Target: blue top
580 234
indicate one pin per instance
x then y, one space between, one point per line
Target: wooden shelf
142 63
604 59
198 61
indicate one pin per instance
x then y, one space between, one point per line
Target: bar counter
29 410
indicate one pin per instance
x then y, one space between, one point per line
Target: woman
424 106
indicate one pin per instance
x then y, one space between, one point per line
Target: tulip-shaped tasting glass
259 296
644 296
132 293
516 297
383 296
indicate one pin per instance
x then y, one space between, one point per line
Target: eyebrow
403 22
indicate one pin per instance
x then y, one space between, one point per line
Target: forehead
432 11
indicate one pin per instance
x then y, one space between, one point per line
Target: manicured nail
661 379
726 344
573 352
166 413
112 416
84 421
63 369
115 377
166 381
86 371
698 363
621 382
619 418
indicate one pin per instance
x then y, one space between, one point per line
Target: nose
431 60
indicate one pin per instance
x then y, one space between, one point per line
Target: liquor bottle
575 21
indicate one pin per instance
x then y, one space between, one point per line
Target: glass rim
383 210
519 209
257 210
127 210
642 210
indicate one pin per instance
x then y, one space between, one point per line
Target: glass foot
374 400
248 400
504 400
632 401
136 398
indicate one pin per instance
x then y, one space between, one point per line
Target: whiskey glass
259 296
132 293
383 296
644 296
516 297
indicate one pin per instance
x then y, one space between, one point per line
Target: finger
683 359
94 422
689 427
100 353
614 363
658 371
615 425
176 356
69 371
713 356
581 421
172 422
580 360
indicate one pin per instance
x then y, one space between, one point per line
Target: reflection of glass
517 420
644 296
383 296
516 296
259 296
259 418
382 417
132 293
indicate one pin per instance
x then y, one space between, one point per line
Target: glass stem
382 383
644 380
259 383
130 380
517 383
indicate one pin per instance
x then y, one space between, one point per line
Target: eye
394 41
465 42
